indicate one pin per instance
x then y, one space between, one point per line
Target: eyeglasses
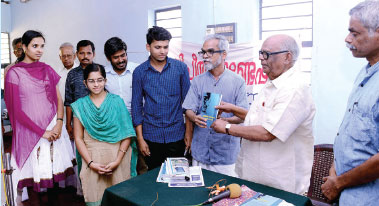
93 81
209 52
69 56
266 55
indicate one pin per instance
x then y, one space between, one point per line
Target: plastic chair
323 159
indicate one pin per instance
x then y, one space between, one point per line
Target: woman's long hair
27 38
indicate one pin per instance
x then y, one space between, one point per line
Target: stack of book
177 173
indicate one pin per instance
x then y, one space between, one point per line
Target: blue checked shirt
358 136
157 99
75 87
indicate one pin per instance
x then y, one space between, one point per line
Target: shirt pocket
361 127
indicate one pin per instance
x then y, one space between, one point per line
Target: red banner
241 59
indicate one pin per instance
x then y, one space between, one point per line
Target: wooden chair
323 159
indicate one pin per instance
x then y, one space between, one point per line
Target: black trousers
160 151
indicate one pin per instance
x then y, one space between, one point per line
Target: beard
211 66
116 66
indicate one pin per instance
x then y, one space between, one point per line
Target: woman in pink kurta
41 151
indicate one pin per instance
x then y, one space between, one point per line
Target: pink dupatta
31 99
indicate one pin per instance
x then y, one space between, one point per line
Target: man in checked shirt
159 87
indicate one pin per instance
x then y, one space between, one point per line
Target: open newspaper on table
177 173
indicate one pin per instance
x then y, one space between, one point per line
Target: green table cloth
143 189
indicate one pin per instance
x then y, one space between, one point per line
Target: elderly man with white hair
211 150
355 172
277 140
67 56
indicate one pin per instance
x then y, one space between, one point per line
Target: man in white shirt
119 79
120 73
277 140
67 56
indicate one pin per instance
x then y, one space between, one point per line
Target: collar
221 75
168 63
282 79
73 67
109 69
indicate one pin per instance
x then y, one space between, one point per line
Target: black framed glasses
266 55
209 52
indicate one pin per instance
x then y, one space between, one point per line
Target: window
292 17
170 19
5 55
5 50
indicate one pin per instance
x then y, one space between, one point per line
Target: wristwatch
227 127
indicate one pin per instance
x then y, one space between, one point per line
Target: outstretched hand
224 107
219 126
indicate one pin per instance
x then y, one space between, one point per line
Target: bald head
288 43
278 54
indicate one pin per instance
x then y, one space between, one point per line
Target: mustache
350 46
123 62
85 59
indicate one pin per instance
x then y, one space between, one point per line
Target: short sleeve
290 109
193 98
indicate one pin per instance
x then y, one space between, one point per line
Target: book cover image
208 103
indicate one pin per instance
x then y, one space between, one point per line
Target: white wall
6 16
73 20
333 71
333 67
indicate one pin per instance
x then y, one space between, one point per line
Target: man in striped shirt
160 85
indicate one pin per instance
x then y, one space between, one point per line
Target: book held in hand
208 103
